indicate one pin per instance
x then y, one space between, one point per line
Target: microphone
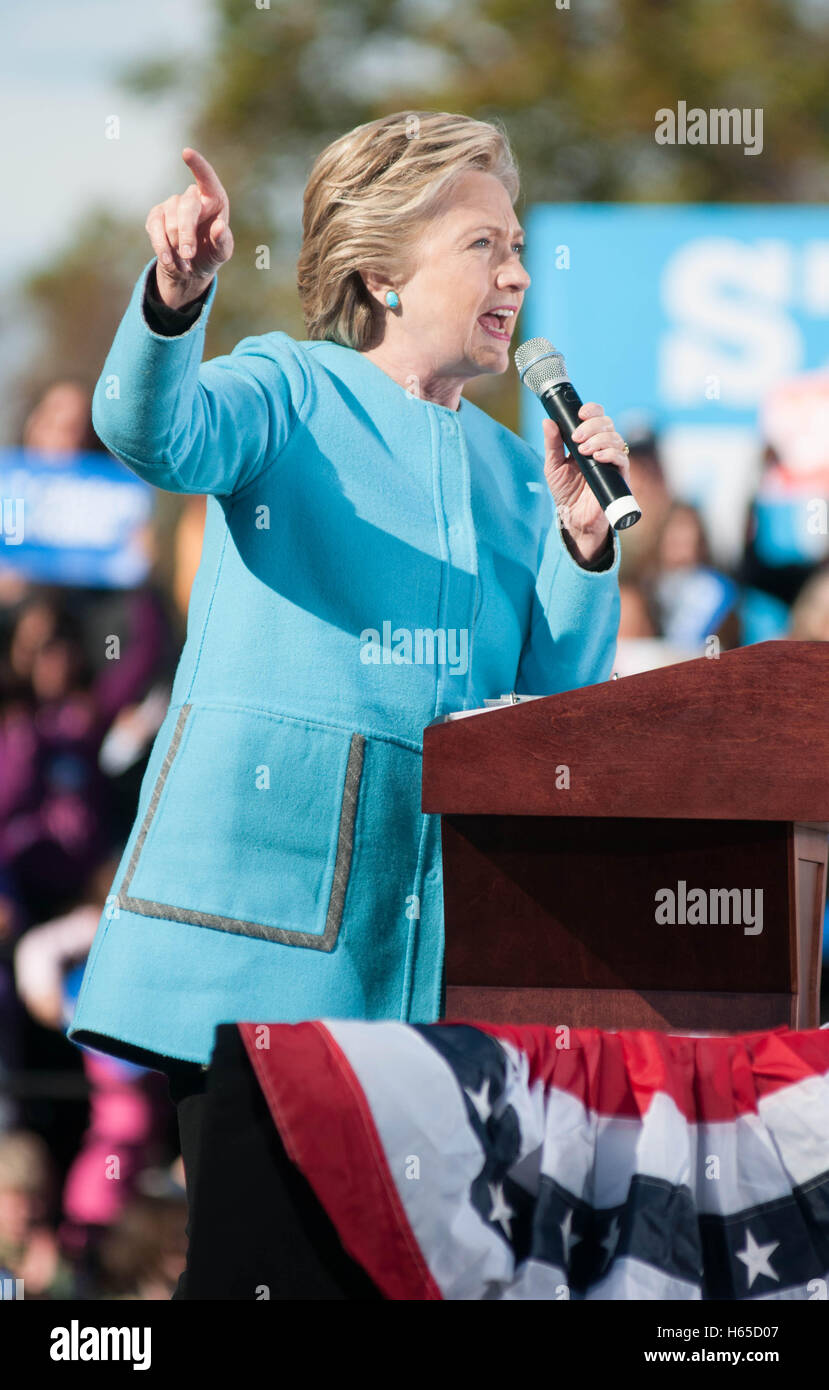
544 371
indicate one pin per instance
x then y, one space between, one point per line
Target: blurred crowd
91 1185
676 598
92 1200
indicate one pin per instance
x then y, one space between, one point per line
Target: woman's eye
518 246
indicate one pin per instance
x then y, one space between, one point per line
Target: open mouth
496 326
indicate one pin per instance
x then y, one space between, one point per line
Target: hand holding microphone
592 484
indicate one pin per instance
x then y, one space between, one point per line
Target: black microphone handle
562 403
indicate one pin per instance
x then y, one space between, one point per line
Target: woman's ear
374 284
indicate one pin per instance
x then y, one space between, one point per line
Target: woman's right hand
190 234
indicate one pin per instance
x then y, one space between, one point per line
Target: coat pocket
249 827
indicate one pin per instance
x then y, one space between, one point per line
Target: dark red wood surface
741 737
660 1010
539 902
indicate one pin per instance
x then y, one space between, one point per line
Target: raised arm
184 425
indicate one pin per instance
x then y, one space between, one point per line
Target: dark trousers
254 1226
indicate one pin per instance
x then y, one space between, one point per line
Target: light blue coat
280 867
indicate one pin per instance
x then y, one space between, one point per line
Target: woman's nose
514 274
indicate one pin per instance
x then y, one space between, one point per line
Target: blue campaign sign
691 314
73 520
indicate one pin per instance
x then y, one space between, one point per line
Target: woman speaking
377 552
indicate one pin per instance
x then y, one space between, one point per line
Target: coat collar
354 368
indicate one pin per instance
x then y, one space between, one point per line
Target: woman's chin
493 362
491 356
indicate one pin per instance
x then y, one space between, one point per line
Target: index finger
207 179
589 409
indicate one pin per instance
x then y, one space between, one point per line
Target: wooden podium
574 826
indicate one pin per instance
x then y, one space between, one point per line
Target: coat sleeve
189 426
574 621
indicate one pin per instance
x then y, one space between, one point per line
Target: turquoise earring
392 298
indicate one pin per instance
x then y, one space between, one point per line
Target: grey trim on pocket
145 907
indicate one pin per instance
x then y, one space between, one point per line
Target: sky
60 62
59 68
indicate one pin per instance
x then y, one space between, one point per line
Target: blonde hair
368 195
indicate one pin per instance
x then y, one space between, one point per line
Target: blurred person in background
57 426
54 803
786 537
641 644
143 1255
128 1107
29 1248
32 623
59 423
773 568
637 621
692 599
57 809
677 600
76 725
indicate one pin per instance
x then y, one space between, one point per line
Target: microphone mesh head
540 365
